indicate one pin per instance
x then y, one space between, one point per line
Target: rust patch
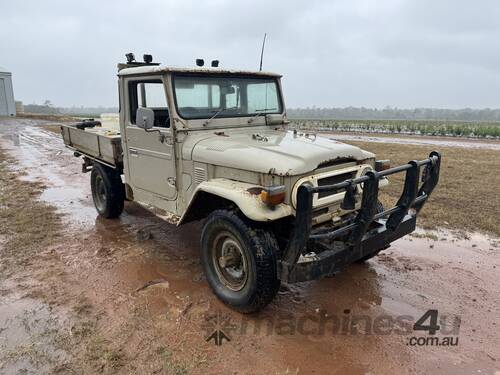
254 190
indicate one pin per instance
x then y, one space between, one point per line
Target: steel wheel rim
100 193
230 262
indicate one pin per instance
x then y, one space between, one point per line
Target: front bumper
368 233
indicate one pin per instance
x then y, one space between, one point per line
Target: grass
26 223
467 196
474 129
171 364
175 365
430 236
32 351
101 354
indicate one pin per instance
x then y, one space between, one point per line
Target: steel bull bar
368 233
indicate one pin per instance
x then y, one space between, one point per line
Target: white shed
7 104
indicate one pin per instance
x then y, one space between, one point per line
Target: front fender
238 193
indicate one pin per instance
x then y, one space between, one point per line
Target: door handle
133 152
171 181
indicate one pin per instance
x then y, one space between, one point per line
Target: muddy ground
80 294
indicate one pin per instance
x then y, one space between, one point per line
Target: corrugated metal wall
7 104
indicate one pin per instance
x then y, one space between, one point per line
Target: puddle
42 156
27 329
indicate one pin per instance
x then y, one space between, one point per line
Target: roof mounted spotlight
200 62
130 57
215 63
131 63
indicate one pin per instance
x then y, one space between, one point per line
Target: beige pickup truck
277 204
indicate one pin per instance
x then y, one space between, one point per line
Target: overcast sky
402 53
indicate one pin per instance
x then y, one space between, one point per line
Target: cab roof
153 69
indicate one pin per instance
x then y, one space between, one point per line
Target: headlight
273 195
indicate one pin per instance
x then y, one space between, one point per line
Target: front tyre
108 191
240 262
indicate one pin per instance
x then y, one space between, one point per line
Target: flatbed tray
98 143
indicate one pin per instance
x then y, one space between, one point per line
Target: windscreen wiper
262 111
217 113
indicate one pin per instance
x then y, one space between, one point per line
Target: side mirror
145 118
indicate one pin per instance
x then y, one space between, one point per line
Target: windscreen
199 97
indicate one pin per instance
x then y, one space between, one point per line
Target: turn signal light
273 195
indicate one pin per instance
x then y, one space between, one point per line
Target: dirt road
128 296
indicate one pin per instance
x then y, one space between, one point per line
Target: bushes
422 127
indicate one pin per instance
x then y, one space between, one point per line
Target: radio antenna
262 52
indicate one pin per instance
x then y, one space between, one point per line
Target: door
150 154
4 111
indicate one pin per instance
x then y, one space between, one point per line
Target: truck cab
178 125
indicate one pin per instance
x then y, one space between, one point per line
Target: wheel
380 208
240 262
108 191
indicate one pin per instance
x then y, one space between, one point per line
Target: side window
149 94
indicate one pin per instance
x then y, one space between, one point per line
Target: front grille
333 180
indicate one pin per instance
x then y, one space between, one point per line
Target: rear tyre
380 208
240 261
108 191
